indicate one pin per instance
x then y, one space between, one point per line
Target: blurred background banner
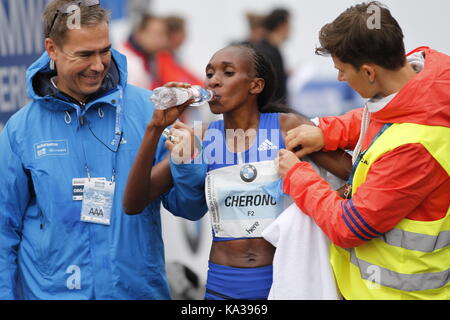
21 42
211 25
118 8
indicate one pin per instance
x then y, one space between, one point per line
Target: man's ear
257 86
370 72
50 47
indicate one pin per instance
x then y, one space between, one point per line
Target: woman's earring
52 64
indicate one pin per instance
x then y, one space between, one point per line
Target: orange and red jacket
164 68
170 70
406 182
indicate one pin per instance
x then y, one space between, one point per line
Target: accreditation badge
78 187
97 203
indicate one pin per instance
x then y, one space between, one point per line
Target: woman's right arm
146 183
188 172
140 188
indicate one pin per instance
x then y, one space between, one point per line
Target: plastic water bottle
164 98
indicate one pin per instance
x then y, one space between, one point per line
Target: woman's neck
242 118
241 127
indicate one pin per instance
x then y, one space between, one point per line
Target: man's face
358 80
82 61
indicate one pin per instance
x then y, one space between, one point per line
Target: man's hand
304 140
285 161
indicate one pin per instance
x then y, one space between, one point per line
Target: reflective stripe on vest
411 261
399 281
416 241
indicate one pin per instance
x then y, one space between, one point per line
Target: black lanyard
118 132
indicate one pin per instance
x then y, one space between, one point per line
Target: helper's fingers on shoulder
293 144
289 138
302 153
284 154
292 133
298 130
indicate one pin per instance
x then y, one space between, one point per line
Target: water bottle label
164 97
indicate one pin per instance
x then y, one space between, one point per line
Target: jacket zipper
82 105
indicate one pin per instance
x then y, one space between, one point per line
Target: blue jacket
46 252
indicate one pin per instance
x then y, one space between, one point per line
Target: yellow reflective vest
411 261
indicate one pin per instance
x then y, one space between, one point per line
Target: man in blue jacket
64 161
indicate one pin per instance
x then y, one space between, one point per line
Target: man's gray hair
57 22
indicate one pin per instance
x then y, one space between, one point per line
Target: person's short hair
174 24
354 38
276 18
55 17
144 20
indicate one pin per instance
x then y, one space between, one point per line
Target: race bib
239 206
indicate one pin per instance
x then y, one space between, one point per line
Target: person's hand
304 139
164 118
181 143
285 161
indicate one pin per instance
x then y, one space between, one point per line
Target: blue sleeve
186 199
14 198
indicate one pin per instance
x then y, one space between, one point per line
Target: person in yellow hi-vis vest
391 228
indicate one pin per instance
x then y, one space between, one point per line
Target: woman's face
228 74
